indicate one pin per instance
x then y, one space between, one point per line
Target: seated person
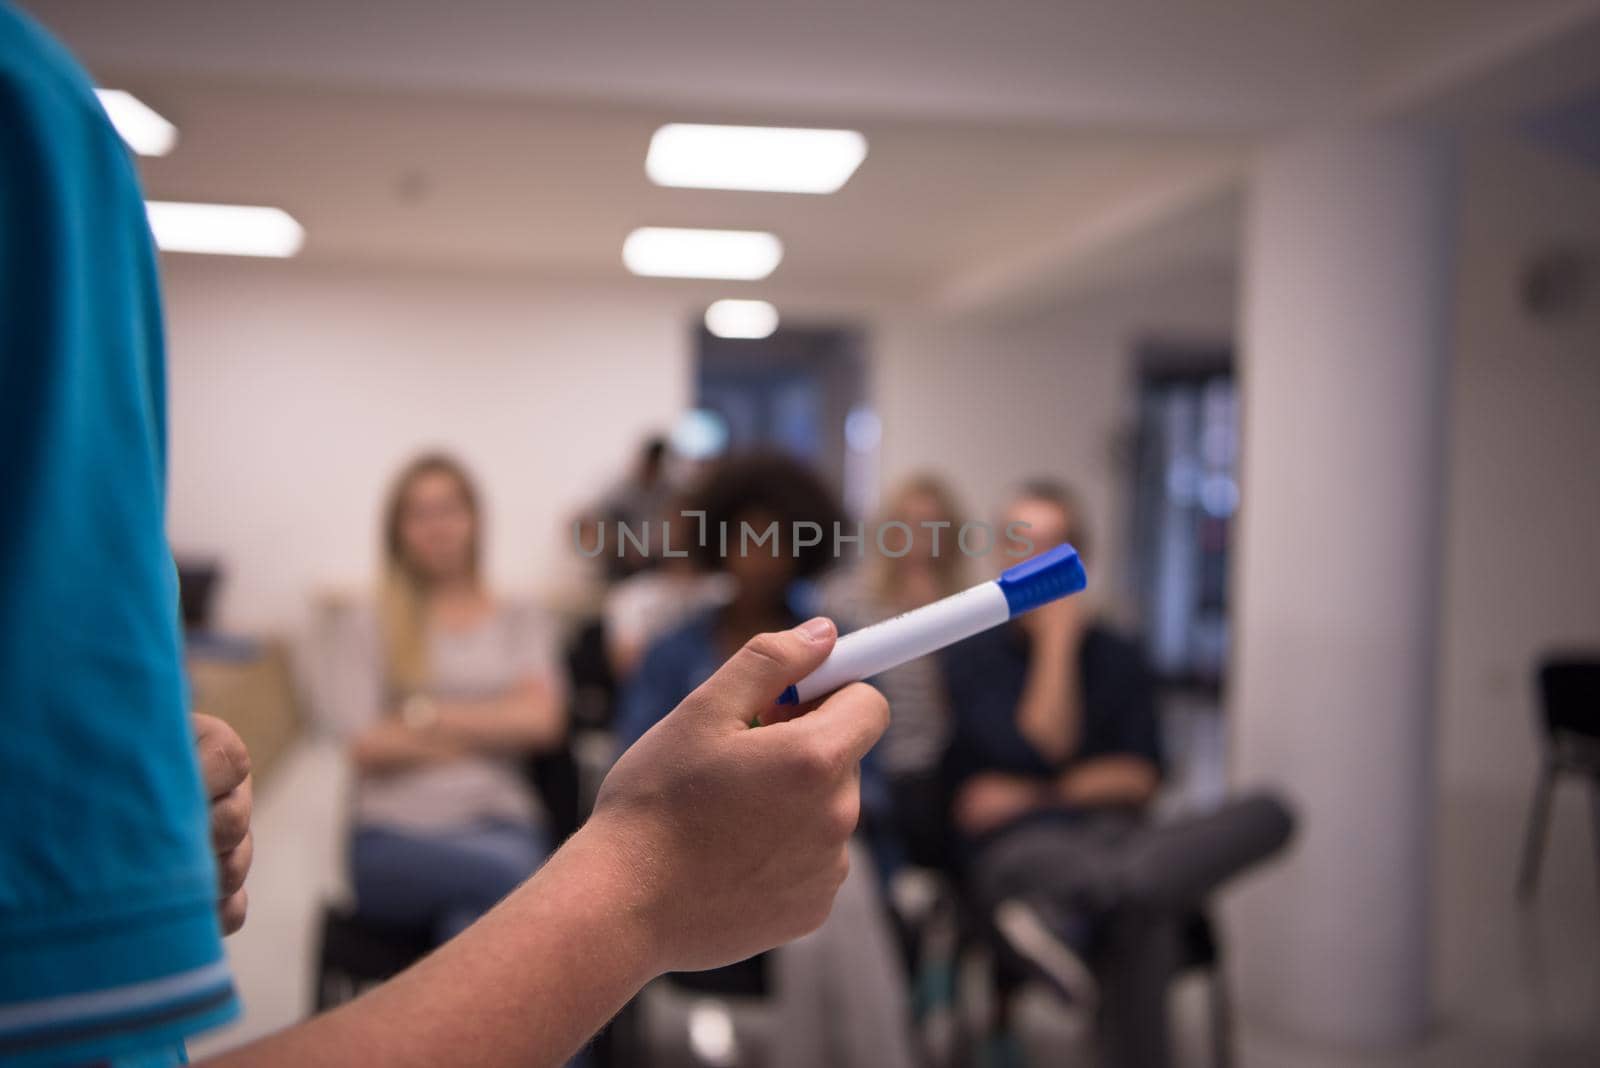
658 598
1054 757
932 566
840 994
442 695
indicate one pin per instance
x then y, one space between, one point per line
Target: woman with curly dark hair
769 524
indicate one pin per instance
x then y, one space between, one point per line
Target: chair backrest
553 775
1569 693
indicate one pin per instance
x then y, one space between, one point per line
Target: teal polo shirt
109 942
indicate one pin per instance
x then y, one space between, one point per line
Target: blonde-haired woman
932 566
447 691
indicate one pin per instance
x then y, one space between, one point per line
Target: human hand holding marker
1048 577
734 839
709 842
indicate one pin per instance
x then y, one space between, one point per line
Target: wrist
419 713
614 871
1061 636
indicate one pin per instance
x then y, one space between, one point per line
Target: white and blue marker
864 653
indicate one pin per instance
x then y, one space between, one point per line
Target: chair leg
1141 959
1221 1019
1595 794
1533 842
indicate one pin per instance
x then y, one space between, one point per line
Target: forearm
1110 780
392 746
527 985
1048 713
531 717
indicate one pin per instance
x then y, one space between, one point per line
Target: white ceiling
554 187
1008 137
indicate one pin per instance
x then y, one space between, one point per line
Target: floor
1514 988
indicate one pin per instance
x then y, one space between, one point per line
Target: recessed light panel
666 252
770 159
751 319
224 229
138 124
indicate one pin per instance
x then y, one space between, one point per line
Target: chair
1569 708
355 954
1201 951
1156 928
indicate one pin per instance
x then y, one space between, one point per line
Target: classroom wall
297 391
990 403
1522 570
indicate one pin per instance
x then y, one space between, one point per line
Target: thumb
751 681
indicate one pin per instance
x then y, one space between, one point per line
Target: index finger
224 761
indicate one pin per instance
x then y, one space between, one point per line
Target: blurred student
655 601
1053 760
840 993
644 492
932 566
445 691
109 890
640 496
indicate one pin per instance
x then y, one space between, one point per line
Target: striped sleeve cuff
111 990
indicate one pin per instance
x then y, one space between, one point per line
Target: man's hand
732 837
710 841
1056 626
1049 715
225 772
989 800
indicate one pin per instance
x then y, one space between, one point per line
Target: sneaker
1051 956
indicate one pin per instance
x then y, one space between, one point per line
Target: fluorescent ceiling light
145 131
762 158
224 229
665 252
742 318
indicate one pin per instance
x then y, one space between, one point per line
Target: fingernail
816 630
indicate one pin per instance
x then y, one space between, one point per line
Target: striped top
919 728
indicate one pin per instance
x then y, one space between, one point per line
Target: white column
1346 289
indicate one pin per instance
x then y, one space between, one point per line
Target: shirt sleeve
655 689
109 938
1125 719
624 611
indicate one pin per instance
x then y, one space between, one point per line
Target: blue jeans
442 881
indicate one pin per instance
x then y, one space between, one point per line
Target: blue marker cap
1045 578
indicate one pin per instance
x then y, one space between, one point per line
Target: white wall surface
296 394
992 403
1521 578
1522 550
